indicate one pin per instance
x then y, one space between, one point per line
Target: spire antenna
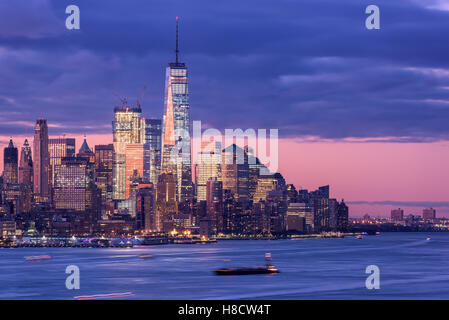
177 49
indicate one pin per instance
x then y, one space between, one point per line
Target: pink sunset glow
356 171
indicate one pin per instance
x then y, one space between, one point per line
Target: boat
359 236
145 256
428 239
267 269
37 258
246 271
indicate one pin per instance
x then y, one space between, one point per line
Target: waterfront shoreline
127 242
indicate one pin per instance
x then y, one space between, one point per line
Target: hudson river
410 268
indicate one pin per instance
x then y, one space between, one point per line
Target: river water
410 268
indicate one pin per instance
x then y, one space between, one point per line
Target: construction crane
141 96
123 100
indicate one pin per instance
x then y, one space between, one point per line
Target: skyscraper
214 202
26 165
342 216
10 167
235 172
176 156
93 193
208 166
134 166
59 148
146 218
127 129
166 204
41 167
70 189
26 176
152 150
104 156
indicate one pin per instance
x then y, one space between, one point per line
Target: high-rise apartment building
41 164
397 214
267 183
342 216
166 203
304 211
429 214
146 214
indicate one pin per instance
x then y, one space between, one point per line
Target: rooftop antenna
177 50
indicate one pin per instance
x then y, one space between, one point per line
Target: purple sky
308 68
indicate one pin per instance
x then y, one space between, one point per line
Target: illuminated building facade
134 154
127 129
71 184
208 166
176 155
146 215
166 203
10 167
26 165
152 152
59 148
235 172
41 164
104 160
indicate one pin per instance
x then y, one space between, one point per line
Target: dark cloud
309 68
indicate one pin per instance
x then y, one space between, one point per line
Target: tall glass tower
176 158
152 150
127 128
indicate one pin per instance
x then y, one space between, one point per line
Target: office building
70 190
152 150
176 157
59 148
208 166
41 164
104 160
134 154
128 128
235 172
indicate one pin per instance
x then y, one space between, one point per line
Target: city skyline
384 165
